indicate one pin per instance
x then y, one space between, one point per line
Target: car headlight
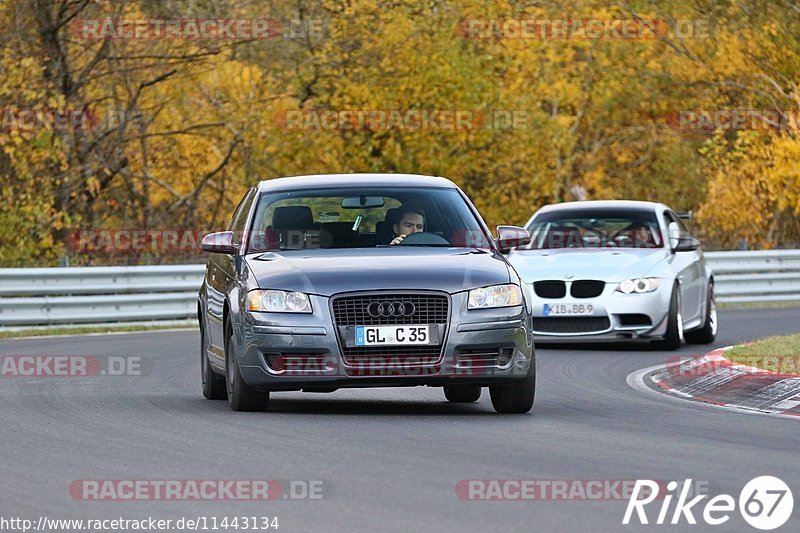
273 301
495 296
638 285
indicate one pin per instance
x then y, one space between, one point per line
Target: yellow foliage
205 119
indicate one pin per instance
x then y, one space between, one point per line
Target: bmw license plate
568 309
392 335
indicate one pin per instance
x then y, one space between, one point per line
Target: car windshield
595 228
364 217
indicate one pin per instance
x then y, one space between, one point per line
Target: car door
221 273
689 272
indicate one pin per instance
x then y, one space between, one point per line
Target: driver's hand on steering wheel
398 240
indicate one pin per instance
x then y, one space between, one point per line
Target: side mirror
679 242
673 235
686 244
509 237
220 242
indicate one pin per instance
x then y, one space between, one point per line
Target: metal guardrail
31 297
757 276
98 295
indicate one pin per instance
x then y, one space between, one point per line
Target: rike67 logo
765 503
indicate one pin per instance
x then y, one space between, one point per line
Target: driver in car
409 220
642 238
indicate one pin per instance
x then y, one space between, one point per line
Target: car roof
353 180
604 204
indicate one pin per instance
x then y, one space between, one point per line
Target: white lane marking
99 334
635 380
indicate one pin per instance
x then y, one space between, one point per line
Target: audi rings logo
387 309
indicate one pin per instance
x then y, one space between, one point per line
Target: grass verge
774 354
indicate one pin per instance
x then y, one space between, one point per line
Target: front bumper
615 316
285 351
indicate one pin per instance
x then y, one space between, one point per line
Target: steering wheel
424 237
590 236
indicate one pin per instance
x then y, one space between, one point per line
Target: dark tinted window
595 228
361 217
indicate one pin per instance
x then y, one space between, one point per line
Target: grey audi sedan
364 280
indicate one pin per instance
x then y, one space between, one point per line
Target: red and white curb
714 380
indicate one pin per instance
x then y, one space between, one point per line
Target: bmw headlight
274 301
638 285
495 296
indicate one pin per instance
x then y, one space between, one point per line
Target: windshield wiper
431 245
474 251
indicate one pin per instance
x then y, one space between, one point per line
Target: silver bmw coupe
614 270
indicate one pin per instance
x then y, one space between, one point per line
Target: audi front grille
378 309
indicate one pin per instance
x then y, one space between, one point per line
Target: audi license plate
391 335
568 309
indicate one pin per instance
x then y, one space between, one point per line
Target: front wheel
708 333
516 398
462 393
241 396
673 338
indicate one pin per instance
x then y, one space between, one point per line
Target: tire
708 333
241 396
462 393
517 398
673 338
213 383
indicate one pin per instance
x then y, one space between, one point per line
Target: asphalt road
390 458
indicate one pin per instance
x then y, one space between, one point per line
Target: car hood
603 264
325 272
